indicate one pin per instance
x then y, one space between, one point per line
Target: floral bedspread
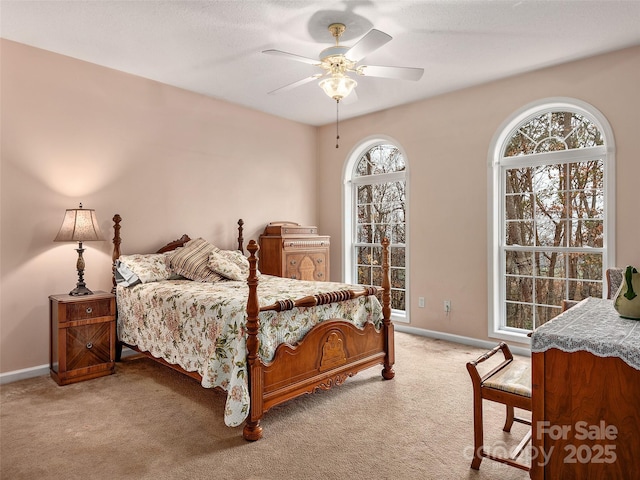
201 326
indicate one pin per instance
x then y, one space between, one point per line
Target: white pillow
229 263
141 268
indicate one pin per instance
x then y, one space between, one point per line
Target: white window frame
348 207
495 212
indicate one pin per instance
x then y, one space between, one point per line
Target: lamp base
80 290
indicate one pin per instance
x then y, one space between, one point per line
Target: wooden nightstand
83 336
294 251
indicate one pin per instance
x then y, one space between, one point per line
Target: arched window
552 213
375 208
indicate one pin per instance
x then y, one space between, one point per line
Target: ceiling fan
338 60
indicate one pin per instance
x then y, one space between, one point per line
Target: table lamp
79 225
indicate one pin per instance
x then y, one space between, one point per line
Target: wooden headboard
166 248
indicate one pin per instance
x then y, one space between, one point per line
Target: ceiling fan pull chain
337 121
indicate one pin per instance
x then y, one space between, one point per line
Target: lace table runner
593 325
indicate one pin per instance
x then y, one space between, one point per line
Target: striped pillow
192 261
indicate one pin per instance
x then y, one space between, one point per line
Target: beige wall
446 140
173 162
169 161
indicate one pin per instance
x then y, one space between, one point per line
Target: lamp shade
338 86
79 225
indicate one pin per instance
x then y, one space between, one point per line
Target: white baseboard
474 342
24 373
450 337
40 370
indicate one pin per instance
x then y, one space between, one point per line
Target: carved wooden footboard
328 354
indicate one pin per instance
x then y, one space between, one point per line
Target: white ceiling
214 47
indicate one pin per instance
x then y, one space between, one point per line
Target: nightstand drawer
89 309
88 345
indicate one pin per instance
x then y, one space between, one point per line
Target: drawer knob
89 346
319 260
319 274
89 310
293 262
293 277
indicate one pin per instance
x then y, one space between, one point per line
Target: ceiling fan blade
372 41
292 56
293 85
401 73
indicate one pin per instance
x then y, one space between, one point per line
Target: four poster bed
264 340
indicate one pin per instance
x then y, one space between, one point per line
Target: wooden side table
83 336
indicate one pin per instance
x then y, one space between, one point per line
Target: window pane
364 276
550 233
519 263
519 315
364 234
550 291
397 278
381 231
585 265
519 180
364 213
552 132
380 159
520 233
397 256
398 234
364 255
579 290
544 314
585 134
519 207
376 276
587 233
377 256
519 288
550 264
397 300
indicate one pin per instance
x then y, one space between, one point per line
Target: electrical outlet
421 302
447 306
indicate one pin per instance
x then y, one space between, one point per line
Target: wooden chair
508 383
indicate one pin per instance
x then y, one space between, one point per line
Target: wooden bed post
252 429
240 237
116 249
389 358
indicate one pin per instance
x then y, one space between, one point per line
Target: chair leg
509 421
477 432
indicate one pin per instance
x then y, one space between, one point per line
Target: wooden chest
291 250
83 336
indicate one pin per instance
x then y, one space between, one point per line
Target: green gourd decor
627 301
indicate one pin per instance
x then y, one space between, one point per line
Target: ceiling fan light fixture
338 86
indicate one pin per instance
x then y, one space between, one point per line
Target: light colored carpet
149 422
